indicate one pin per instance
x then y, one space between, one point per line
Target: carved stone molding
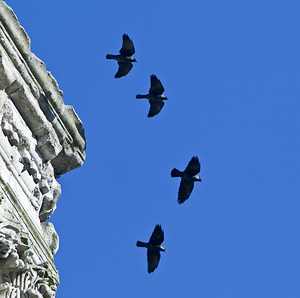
36 95
26 262
40 139
20 276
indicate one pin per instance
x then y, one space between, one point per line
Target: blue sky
231 72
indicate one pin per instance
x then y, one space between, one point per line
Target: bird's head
162 249
197 178
134 60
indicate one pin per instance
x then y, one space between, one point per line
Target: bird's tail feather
141 244
175 173
140 96
108 56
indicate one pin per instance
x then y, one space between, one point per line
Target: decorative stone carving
19 273
40 139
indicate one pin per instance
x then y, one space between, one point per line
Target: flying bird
188 177
125 58
153 248
155 96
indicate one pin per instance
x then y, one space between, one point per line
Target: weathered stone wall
40 139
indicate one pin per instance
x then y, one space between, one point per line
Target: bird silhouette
188 177
125 58
153 248
155 96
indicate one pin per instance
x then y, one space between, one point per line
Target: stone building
40 139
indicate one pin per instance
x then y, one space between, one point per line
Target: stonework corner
40 139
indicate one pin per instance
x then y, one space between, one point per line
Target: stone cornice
40 139
42 96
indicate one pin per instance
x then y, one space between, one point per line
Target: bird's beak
197 178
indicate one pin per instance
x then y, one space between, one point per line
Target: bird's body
154 96
188 177
121 58
149 245
153 248
125 58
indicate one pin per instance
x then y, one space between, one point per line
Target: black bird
155 96
125 58
188 176
153 247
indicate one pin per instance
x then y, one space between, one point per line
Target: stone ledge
44 88
40 139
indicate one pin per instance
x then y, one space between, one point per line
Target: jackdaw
153 247
188 176
125 58
155 96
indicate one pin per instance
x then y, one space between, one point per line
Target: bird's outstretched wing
127 46
153 257
193 168
185 190
155 107
156 86
157 236
124 69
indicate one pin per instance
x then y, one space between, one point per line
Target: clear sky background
231 71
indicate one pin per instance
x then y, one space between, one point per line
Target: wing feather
156 86
157 236
124 69
155 107
127 46
153 257
185 190
193 168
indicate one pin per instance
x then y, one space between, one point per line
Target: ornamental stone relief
46 190
20 273
40 139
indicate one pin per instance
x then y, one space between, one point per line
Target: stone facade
40 139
